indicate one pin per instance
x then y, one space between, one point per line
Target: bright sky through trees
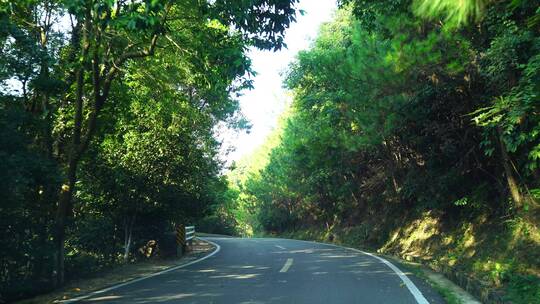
267 100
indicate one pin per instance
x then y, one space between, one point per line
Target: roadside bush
524 289
217 224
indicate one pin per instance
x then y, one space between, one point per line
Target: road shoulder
451 292
122 274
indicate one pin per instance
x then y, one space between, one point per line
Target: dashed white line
287 265
280 247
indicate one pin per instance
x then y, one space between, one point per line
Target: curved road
277 271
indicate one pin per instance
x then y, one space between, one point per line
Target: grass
446 293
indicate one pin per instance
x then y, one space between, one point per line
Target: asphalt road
277 271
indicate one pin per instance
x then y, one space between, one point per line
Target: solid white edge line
416 293
97 292
287 265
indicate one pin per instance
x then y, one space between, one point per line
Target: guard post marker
180 240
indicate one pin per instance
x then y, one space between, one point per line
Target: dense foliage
406 107
412 110
403 110
107 117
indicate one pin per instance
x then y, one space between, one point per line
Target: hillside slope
415 132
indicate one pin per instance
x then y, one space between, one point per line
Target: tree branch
101 93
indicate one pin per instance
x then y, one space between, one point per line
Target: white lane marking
101 291
416 293
280 247
287 265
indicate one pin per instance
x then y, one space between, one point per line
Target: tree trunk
64 208
511 181
128 232
101 85
393 167
66 192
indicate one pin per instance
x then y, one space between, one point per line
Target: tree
390 107
85 48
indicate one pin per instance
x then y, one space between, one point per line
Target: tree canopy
408 107
108 112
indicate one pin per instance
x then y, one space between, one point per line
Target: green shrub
524 289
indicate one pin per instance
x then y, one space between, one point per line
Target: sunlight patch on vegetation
454 12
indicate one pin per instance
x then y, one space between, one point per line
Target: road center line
280 247
287 265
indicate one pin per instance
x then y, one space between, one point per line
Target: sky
263 104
